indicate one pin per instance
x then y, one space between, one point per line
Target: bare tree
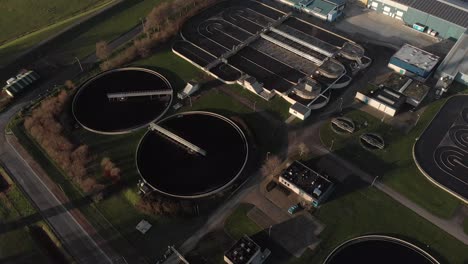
102 50
271 167
143 46
70 85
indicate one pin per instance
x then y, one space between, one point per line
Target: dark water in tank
170 168
377 252
94 110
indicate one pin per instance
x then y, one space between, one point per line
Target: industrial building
446 19
392 94
414 62
455 65
271 53
19 83
246 251
311 186
328 10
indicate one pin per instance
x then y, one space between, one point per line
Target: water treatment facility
379 249
122 100
271 53
192 154
234 131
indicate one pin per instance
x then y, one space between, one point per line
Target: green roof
322 7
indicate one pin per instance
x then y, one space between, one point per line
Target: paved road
84 247
75 239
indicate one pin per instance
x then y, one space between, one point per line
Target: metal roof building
455 64
245 251
324 9
20 83
448 18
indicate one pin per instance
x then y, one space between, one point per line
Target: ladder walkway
119 95
177 139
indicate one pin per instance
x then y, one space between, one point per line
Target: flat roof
395 81
306 179
416 90
300 108
417 57
242 251
457 59
455 12
389 97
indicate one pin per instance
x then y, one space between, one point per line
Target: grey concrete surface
368 25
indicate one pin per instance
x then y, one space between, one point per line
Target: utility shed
21 82
455 64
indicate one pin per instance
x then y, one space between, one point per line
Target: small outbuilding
21 82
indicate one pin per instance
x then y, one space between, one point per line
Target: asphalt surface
76 240
442 150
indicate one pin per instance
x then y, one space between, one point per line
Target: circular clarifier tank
379 249
192 155
122 100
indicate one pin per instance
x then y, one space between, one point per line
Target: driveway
381 29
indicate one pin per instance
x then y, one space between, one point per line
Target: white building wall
295 189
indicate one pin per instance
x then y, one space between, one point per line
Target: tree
110 170
143 46
102 50
70 84
271 167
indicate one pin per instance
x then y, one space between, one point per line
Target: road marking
59 203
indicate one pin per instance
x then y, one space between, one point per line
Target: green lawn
16 242
177 70
276 106
20 17
465 225
106 27
10 49
360 210
394 164
239 224
366 210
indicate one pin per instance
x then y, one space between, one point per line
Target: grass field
465 225
356 210
16 243
106 27
239 224
366 210
10 49
20 17
394 165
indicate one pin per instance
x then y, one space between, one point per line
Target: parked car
294 209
